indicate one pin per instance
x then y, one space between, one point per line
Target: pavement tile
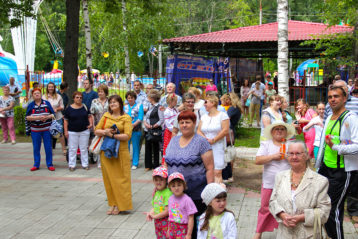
124 233
25 236
79 231
6 234
65 204
48 236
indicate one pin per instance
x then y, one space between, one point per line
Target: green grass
248 137
19 138
122 93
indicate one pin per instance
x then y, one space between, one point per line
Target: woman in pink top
211 86
303 116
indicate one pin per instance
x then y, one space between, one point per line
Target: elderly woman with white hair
271 155
299 196
170 89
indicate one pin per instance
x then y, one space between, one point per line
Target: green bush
19 120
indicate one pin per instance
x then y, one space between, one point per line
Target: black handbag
154 135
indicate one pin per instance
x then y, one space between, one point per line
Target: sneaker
71 169
134 167
34 169
51 168
86 168
4 141
13 142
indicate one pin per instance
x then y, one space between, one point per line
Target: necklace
295 185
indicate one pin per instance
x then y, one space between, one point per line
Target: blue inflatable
303 66
8 68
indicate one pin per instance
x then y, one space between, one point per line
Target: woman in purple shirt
191 155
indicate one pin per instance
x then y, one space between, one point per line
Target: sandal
115 211
110 210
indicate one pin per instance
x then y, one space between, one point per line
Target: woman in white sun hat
271 154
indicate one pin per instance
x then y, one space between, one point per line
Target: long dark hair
210 212
119 100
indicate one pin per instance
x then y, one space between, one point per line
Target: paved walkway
65 204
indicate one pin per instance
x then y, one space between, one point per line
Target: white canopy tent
24 41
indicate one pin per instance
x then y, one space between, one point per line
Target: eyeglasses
190 102
295 154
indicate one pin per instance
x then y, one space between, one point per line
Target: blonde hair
235 101
225 97
213 99
196 92
304 102
272 98
154 95
171 98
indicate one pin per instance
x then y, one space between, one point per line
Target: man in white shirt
170 90
15 90
262 88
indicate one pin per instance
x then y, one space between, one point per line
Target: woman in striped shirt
39 114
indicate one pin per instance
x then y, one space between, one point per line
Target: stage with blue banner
186 71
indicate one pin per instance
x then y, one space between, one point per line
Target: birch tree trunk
355 37
282 54
126 53
88 38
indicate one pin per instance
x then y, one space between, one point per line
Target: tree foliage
150 21
339 49
17 10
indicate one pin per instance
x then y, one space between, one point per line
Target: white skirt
219 155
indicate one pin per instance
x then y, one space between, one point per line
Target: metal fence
312 94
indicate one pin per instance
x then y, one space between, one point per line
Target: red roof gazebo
255 41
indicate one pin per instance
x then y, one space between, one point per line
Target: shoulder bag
97 142
56 128
248 101
230 151
317 225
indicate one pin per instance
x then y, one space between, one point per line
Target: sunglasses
280 129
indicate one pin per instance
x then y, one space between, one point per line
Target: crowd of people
185 141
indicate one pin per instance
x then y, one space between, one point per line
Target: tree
70 65
282 54
17 10
346 11
88 38
126 53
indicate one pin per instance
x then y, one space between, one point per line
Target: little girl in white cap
216 221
